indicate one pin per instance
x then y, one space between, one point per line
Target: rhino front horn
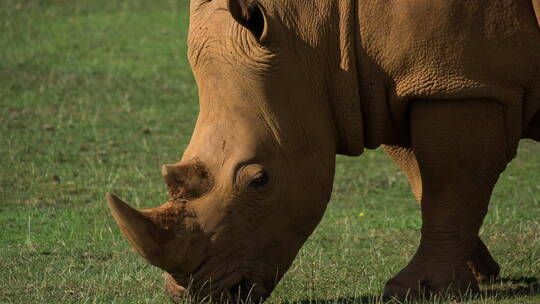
139 230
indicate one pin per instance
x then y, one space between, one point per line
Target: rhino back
445 50
443 47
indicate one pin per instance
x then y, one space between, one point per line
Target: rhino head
257 175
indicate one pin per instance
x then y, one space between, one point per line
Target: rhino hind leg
484 268
460 149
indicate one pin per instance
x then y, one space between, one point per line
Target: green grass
96 95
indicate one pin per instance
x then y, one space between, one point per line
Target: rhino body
448 88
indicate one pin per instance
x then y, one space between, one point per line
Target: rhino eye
249 14
260 180
255 23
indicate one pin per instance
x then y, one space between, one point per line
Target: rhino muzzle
239 291
185 237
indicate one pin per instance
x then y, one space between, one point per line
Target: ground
96 95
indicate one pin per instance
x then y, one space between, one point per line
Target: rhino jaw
141 232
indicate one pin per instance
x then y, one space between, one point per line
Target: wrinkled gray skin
285 85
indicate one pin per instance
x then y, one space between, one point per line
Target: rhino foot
424 278
482 265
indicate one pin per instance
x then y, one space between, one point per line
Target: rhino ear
249 14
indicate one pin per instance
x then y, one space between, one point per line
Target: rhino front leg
461 148
481 263
484 268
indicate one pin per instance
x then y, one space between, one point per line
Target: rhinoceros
447 88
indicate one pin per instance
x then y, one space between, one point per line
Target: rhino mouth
242 290
247 291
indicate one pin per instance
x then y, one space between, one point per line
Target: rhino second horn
170 173
139 230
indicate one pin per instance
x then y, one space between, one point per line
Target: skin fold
284 86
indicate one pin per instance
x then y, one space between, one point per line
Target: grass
96 95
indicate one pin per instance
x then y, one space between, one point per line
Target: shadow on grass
504 288
507 288
369 299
